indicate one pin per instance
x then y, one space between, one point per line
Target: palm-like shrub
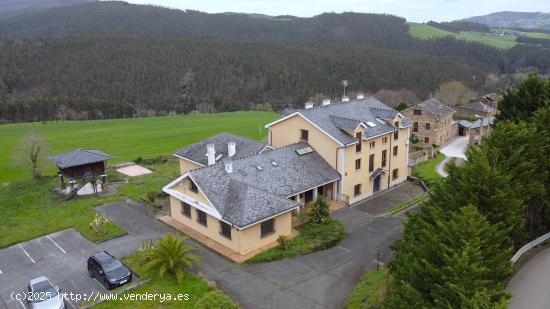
171 254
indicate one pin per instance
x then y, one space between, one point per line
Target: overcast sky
413 10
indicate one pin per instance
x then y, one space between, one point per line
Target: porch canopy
376 173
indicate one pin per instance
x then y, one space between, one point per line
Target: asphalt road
530 286
320 280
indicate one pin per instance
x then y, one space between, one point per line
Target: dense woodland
119 75
535 41
113 59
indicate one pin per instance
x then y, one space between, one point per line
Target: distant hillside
375 29
13 7
526 20
114 59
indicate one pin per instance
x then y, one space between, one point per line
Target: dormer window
417 112
396 124
304 135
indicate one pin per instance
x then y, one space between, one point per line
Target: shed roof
488 121
478 106
79 157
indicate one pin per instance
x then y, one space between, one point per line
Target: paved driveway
319 280
456 148
529 286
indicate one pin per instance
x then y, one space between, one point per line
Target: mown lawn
31 209
370 291
126 139
537 35
192 285
313 237
502 42
423 31
426 170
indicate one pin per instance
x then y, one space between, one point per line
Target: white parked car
43 294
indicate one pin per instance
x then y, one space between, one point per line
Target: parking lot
59 256
62 256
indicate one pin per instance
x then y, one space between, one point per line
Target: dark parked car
108 270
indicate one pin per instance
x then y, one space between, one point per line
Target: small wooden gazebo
80 167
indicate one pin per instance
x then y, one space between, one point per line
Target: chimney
309 105
211 154
345 98
360 96
326 102
229 167
231 149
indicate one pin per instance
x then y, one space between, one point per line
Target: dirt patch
134 170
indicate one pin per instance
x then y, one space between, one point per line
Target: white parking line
1 272
27 254
56 244
22 305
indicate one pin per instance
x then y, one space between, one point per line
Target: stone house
432 122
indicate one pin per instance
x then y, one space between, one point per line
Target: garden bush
215 300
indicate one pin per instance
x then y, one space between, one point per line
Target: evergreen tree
520 151
521 102
449 259
479 183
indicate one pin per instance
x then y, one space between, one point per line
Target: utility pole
345 83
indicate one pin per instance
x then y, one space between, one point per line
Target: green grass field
537 35
24 201
423 31
426 170
127 139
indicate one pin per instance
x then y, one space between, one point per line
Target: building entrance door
376 184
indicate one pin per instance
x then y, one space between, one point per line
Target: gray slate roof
243 146
436 107
478 106
336 118
476 124
249 195
79 157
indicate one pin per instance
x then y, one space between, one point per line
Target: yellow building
244 201
364 140
243 194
